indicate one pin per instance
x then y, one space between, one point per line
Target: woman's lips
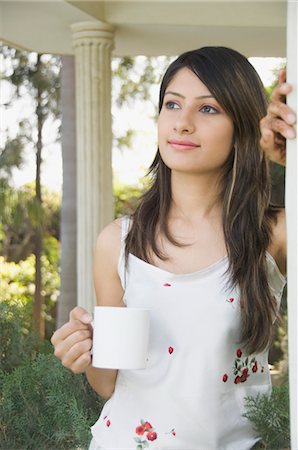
182 145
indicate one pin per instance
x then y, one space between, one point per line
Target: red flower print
230 300
167 285
108 423
244 367
243 378
145 432
237 380
170 349
255 367
148 426
151 436
140 430
174 433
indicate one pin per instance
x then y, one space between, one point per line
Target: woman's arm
73 340
109 292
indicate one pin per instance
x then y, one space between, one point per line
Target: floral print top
191 394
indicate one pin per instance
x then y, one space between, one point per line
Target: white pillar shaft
292 222
93 43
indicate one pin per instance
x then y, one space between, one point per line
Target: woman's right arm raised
73 340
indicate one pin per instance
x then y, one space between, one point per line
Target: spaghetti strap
125 222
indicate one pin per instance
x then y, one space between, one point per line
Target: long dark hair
245 193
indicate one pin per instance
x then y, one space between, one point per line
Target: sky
129 165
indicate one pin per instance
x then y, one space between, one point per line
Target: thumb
79 313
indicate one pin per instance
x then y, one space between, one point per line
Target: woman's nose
184 123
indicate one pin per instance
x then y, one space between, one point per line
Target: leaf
138 440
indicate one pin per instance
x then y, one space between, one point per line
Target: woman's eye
208 109
171 105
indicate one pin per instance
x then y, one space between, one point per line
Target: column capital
92 32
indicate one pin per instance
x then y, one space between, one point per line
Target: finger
279 126
81 314
76 352
65 345
267 139
280 92
282 76
67 329
82 363
282 111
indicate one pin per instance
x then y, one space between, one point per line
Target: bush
17 288
44 406
271 418
17 344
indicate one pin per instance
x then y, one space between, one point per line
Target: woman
206 252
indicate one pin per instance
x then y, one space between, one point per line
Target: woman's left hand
279 123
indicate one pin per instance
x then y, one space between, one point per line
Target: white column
292 222
93 44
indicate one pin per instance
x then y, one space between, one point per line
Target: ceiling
256 28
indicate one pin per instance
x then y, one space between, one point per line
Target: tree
38 76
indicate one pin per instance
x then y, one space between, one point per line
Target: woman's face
195 135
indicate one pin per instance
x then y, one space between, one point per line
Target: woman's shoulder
107 283
278 244
108 241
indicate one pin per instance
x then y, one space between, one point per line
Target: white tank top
191 395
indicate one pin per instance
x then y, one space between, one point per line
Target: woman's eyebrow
182 96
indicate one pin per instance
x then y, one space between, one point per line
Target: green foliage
20 213
17 344
126 198
269 89
270 417
43 406
11 156
17 289
136 76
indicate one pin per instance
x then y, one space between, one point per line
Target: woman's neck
195 196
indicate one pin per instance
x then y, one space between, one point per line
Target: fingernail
291 118
284 87
290 133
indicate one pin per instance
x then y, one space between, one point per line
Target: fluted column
93 44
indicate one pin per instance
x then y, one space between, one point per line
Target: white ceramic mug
120 337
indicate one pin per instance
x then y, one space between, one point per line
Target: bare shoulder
278 246
107 283
108 240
